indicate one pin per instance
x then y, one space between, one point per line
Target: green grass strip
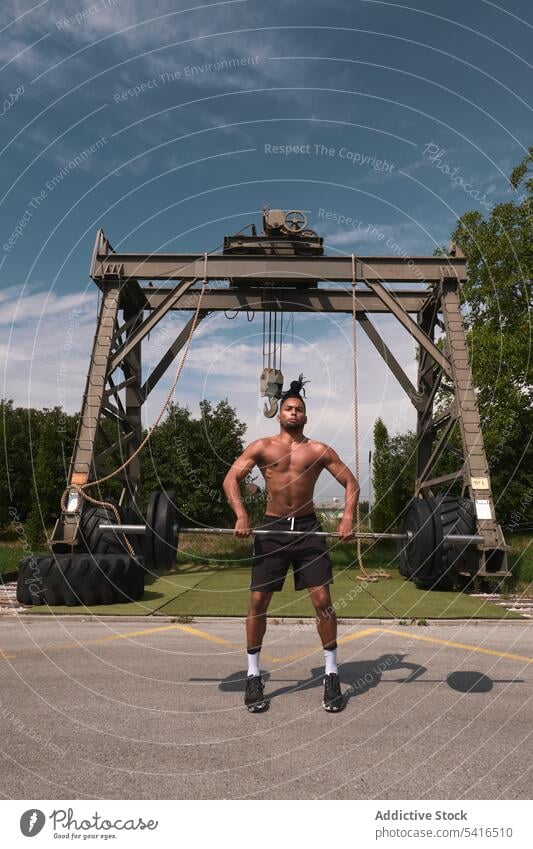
159 590
227 595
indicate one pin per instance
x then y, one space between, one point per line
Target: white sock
253 663
330 659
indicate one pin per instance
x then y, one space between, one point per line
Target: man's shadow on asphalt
358 677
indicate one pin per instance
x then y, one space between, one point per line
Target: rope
356 418
80 489
280 339
275 351
364 576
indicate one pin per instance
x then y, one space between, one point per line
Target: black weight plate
165 542
412 552
149 536
417 555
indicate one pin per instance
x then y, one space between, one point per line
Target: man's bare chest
301 460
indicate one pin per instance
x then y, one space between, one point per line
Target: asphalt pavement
130 709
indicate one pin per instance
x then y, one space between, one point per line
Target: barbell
162 531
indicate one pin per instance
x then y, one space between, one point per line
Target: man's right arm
242 466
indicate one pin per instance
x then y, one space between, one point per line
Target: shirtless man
290 464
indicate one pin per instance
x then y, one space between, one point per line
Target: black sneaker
254 698
333 699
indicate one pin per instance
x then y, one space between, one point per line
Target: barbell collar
141 529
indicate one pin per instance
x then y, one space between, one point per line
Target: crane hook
271 408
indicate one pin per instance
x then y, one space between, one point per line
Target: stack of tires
101 571
428 558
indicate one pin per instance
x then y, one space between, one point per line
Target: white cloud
145 34
26 306
347 237
406 238
47 340
12 355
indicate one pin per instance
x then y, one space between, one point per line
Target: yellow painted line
145 632
358 634
205 636
213 638
128 635
308 652
455 645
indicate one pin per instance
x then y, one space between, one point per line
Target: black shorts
274 553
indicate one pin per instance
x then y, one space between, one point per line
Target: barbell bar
142 529
424 542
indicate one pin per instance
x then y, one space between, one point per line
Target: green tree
5 518
382 511
49 472
19 435
393 476
497 313
166 459
192 456
402 472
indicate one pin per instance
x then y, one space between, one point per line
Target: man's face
292 415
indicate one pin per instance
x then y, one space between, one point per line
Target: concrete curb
197 620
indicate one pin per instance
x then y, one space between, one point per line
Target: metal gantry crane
283 269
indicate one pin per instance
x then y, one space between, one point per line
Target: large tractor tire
80 579
428 558
456 516
94 541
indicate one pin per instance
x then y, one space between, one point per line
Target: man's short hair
290 395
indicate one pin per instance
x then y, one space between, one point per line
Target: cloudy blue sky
407 116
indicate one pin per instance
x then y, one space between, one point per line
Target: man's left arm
342 473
